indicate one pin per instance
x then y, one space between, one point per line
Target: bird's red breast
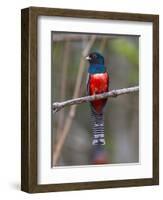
98 83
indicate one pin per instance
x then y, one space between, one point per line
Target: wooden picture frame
29 137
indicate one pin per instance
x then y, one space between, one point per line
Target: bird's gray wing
87 83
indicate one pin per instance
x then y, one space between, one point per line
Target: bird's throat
96 68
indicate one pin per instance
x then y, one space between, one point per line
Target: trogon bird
97 83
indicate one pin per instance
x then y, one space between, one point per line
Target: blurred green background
121 53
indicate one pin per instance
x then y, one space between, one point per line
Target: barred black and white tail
98 128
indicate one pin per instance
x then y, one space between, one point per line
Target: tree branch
63 80
113 93
72 111
74 37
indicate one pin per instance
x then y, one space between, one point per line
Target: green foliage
126 48
129 50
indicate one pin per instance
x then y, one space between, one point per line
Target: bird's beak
87 58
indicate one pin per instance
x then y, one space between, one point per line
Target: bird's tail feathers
98 128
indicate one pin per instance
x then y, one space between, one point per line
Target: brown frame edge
29 99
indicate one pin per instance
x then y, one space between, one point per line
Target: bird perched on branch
97 82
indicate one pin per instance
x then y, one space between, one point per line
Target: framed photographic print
90 99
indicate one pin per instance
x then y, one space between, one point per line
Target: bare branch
113 93
74 37
63 80
72 111
103 44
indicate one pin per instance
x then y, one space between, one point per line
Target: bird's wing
87 82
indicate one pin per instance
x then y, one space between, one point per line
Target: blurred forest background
71 126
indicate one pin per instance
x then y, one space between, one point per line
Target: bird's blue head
96 61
